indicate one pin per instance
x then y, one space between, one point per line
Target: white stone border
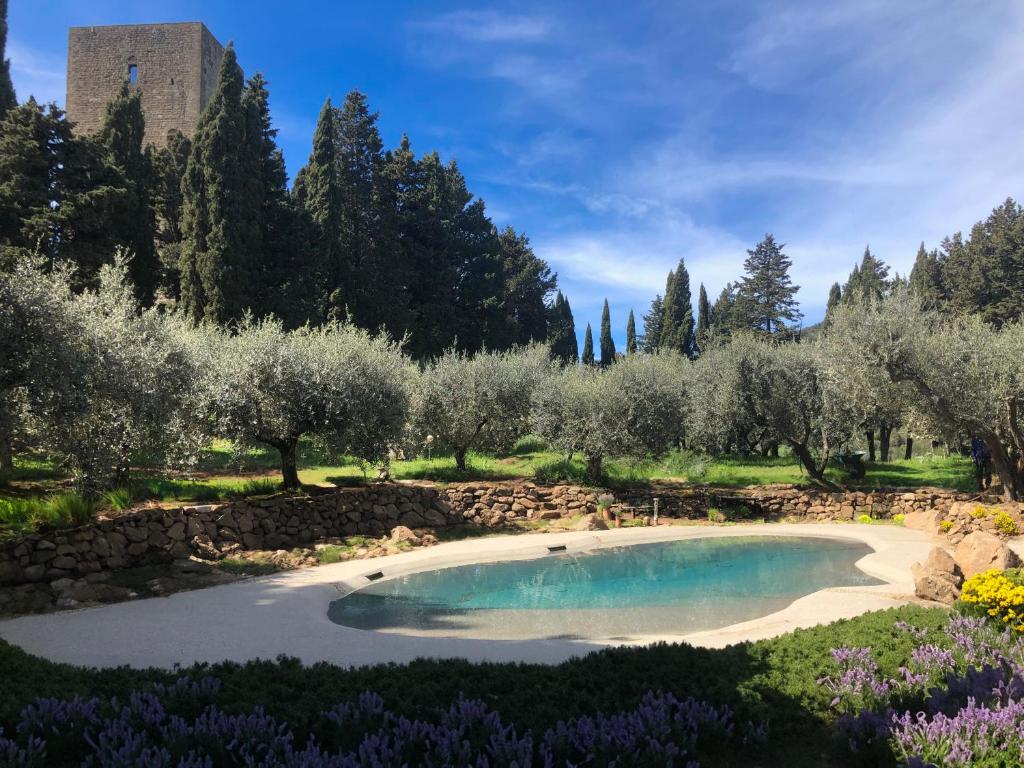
286 613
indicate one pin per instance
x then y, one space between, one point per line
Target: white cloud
487 26
36 74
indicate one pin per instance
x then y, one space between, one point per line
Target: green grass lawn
773 681
36 494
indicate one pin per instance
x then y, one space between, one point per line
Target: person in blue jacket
982 463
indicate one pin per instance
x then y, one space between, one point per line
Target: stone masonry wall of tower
175 66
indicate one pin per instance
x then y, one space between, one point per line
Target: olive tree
138 387
39 360
967 377
719 419
336 384
91 378
635 407
479 402
775 391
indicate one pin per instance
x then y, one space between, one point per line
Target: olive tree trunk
884 441
870 435
594 468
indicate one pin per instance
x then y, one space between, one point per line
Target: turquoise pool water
662 588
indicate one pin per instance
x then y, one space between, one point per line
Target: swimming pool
670 588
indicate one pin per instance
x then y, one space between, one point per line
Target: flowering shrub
1006 524
958 702
177 726
945 526
994 593
899 519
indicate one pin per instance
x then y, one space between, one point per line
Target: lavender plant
178 726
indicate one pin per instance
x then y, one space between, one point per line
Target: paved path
286 613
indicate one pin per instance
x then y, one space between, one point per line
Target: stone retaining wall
214 531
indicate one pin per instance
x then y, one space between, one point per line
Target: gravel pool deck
286 613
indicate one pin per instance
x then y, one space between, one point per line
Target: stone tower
175 65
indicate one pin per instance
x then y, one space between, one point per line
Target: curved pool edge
285 613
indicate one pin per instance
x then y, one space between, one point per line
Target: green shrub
865 519
716 515
899 519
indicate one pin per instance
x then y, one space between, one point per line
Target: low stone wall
214 531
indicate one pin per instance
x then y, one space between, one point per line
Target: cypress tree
133 224
286 270
317 192
723 311
169 166
588 347
677 326
8 100
607 342
703 327
766 295
926 278
835 296
562 332
358 158
869 280
221 259
652 324
572 348
631 334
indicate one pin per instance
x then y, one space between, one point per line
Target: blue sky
621 136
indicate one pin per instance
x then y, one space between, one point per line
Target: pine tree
926 278
8 100
653 323
702 331
587 358
835 296
32 139
528 283
221 257
677 325
57 192
607 342
631 334
766 296
133 224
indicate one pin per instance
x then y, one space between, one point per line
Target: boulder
402 533
591 522
980 551
938 578
926 520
